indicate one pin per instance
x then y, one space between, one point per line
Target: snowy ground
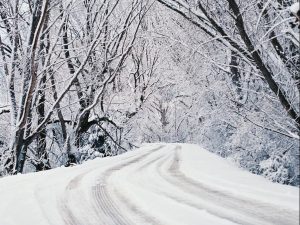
161 184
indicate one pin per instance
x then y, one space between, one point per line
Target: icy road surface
160 184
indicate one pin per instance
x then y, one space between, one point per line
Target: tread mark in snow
247 209
104 207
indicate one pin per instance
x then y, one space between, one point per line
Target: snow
174 184
295 8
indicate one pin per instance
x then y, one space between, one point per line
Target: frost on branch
295 9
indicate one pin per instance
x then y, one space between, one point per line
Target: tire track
104 209
252 213
110 212
134 209
73 192
162 192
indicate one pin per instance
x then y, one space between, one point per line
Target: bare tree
86 52
248 46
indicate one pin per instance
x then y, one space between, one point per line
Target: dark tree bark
235 73
20 142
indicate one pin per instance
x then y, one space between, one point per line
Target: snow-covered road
160 184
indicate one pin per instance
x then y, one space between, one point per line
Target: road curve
150 188
157 184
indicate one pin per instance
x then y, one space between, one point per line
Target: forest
81 79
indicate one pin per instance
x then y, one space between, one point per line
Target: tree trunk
19 142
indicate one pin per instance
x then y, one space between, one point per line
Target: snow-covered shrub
4 156
276 168
93 144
